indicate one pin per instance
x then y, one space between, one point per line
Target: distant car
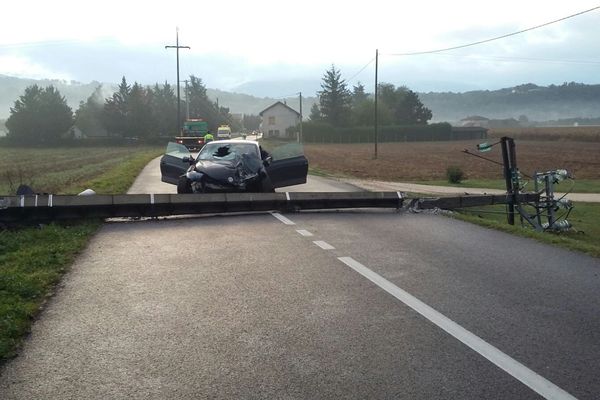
230 166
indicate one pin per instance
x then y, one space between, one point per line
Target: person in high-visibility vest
208 137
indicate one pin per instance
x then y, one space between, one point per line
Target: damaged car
232 166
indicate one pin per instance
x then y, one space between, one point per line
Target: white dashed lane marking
323 245
535 382
282 218
511 366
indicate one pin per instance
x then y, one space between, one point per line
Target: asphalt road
373 304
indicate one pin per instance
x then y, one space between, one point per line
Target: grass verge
585 217
580 186
32 260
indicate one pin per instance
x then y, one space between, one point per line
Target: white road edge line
304 232
287 196
323 245
511 366
282 218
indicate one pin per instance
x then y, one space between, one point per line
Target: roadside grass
580 186
33 259
584 237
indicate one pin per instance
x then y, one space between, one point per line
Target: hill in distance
537 103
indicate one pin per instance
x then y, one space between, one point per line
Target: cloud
23 67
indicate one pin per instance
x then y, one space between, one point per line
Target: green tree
88 116
251 122
363 114
139 117
164 109
115 110
200 105
334 98
359 95
404 104
315 113
39 115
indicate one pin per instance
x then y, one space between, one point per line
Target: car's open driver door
289 165
172 164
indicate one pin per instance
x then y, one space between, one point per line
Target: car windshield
227 151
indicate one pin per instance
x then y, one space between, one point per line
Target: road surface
360 304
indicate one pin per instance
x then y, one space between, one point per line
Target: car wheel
184 185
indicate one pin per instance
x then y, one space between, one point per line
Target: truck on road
192 134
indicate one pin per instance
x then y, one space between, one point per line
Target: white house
277 118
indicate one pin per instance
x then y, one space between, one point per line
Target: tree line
134 110
339 106
43 115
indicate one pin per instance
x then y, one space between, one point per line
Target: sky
276 48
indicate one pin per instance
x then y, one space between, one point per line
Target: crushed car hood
219 170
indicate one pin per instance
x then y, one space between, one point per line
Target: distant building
75 133
276 119
475 120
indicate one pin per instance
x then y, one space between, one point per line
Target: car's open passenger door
172 164
289 166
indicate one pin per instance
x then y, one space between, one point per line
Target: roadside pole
300 138
177 47
376 113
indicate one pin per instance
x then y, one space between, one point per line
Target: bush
455 174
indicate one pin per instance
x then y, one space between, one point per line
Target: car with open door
232 166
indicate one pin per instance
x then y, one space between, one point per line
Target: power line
494 38
285 96
361 70
520 59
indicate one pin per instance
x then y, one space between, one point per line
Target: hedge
319 132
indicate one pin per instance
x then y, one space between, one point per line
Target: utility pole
376 113
177 47
187 102
300 135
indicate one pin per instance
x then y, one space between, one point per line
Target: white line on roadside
282 218
304 232
323 245
287 196
519 371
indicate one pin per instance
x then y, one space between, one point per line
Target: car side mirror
267 161
189 160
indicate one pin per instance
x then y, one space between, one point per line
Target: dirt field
429 160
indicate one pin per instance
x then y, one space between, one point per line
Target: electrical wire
494 38
568 191
361 70
285 96
519 59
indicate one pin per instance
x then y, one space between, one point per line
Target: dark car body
230 166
